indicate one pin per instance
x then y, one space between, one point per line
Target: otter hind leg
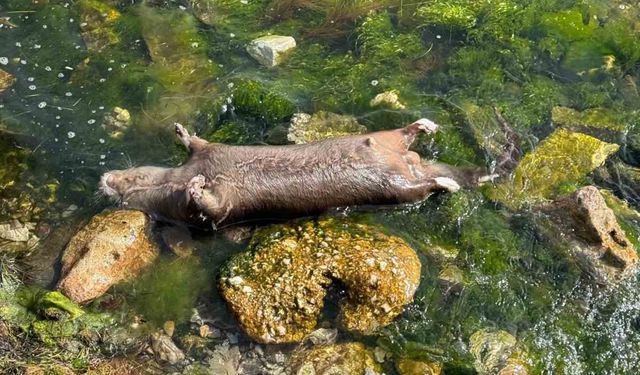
412 130
191 142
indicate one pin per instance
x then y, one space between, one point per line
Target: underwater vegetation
563 74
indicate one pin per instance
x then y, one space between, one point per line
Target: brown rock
277 288
406 366
344 359
6 80
589 227
114 247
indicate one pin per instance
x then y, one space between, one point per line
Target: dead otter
225 184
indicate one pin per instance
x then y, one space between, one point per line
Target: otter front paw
195 187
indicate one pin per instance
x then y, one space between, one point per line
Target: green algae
251 98
563 158
169 290
598 118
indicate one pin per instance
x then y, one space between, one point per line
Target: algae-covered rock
562 158
269 50
457 15
343 359
6 80
177 50
252 98
117 122
451 278
598 118
115 246
389 99
407 366
276 289
97 19
56 300
487 132
204 10
584 224
491 349
322 125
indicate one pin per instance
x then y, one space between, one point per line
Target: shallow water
185 61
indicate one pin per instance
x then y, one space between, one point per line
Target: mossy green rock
252 98
277 287
322 125
344 359
491 349
57 300
563 158
97 21
598 118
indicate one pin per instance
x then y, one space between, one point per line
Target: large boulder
564 158
114 247
343 359
277 287
583 224
269 50
322 125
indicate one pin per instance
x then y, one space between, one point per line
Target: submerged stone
252 98
18 237
406 366
97 19
117 122
57 300
269 50
6 80
114 247
322 125
204 10
584 225
598 118
277 288
165 350
563 158
345 359
387 99
451 278
491 350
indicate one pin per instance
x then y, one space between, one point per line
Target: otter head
133 187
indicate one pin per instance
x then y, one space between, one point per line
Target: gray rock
165 350
268 50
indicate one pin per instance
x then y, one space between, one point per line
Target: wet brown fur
226 184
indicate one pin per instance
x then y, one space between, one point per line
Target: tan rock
343 359
406 366
114 247
6 80
585 223
269 50
277 288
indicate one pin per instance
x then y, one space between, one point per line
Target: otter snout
107 187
